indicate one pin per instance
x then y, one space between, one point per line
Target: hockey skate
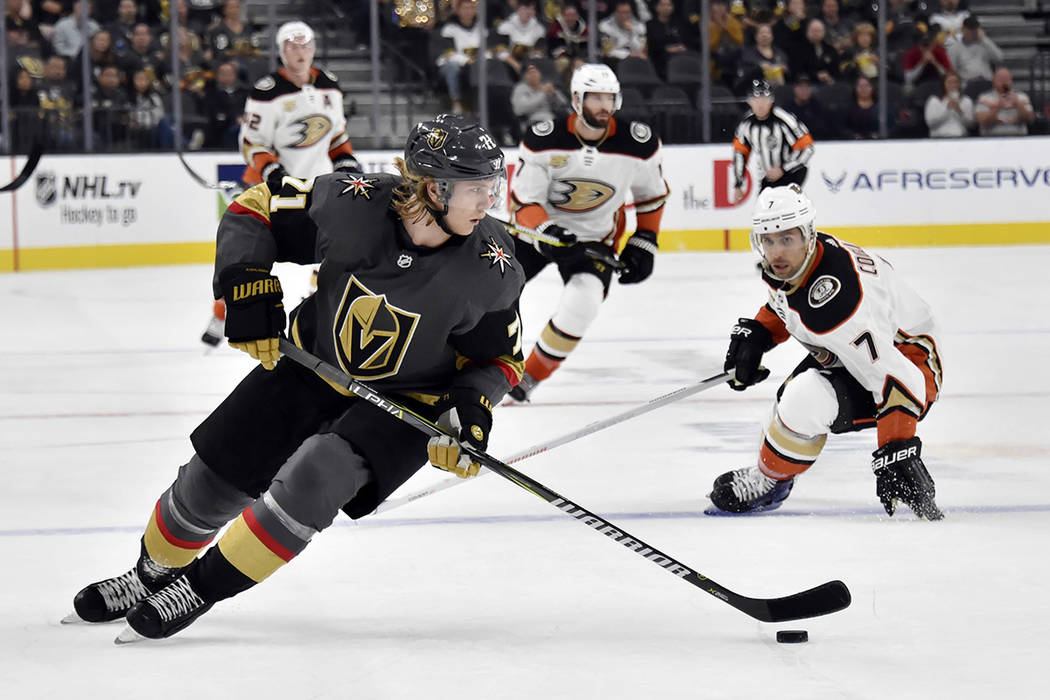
216 329
164 613
524 388
111 598
747 490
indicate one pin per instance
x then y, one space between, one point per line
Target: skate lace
121 592
750 483
175 600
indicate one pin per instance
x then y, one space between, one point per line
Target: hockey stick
588 429
609 258
824 599
27 170
224 185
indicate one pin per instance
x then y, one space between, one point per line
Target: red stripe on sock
172 539
265 537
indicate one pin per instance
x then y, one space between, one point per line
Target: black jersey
404 318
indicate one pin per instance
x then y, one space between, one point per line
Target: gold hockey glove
469 419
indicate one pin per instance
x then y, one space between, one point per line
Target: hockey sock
553 347
170 539
261 540
785 453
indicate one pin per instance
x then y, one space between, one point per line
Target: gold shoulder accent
256 199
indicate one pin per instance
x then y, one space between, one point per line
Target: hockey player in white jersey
873 361
294 124
573 180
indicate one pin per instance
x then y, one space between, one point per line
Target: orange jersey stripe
804 141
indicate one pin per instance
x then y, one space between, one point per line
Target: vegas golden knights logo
436 139
371 334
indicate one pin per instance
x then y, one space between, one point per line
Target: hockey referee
781 144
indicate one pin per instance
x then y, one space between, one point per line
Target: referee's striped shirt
779 140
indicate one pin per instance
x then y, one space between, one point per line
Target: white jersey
584 188
298 127
852 310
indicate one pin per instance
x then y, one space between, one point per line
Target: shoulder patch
641 132
330 74
543 128
823 290
265 83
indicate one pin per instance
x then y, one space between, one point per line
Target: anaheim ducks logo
580 195
436 139
371 334
312 129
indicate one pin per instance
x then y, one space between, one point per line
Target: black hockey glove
254 311
347 163
468 416
561 244
638 256
748 341
273 173
901 475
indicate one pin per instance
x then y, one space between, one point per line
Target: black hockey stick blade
822 600
224 185
27 170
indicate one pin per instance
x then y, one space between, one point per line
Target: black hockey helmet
453 147
760 88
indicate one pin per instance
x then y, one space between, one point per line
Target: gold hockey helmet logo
371 334
312 129
580 195
436 139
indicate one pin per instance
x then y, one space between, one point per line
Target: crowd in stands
945 76
131 81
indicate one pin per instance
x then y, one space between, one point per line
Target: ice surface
484 591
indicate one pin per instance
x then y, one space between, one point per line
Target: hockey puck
792 636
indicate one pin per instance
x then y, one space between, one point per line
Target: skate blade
72 619
128 636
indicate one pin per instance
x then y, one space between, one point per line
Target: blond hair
412 199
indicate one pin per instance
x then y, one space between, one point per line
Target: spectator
789 34
926 60
57 95
121 28
536 99
839 28
973 55
526 36
100 49
901 30
224 101
861 119
809 110
864 59
949 113
622 35
763 60
1001 111
46 14
146 114
567 39
463 33
66 39
667 34
198 15
727 39
950 18
185 20
25 111
23 50
819 59
143 55
231 38
109 108
193 66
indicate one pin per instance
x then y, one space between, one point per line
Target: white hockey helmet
593 77
782 209
297 32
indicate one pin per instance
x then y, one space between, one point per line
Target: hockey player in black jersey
417 295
